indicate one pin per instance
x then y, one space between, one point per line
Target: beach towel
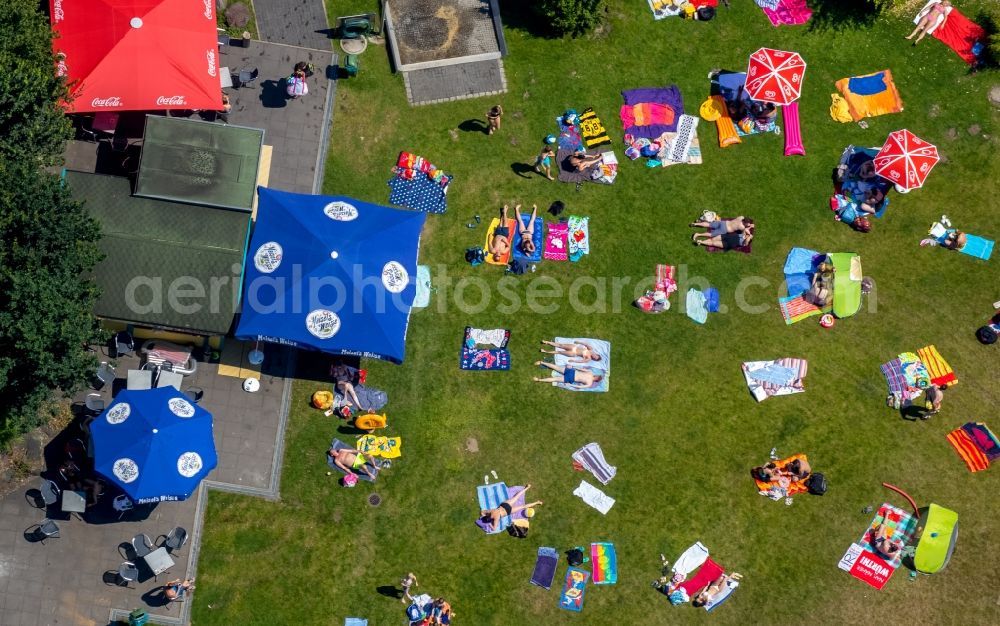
373 467
477 358
556 242
571 597
664 8
569 135
545 568
673 151
978 247
786 486
592 130
959 33
537 235
600 367
423 297
512 229
967 450
870 95
565 171
659 109
786 12
799 268
690 560
607 170
385 447
722 596
370 397
578 237
490 497
779 377
605 563
591 458
914 371
864 562
706 575
695 306
940 372
796 308
355 621
983 438
594 497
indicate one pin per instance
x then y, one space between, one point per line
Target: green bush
572 17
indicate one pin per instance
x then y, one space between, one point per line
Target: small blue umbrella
155 444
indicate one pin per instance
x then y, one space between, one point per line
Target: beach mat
574 589
337 444
545 568
567 173
474 358
601 367
494 223
537 236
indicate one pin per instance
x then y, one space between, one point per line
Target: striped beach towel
490 497
974 459
591 129
591 458
775 378
984 439
893 372
941 373
795 309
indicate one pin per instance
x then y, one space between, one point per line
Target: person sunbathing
821 290
582 351
175 589
500 244
349 460
508 507
581 161
741 235
719 227
527 232
883 543
935 16
577 378
955 240
798 469
715 588
343 376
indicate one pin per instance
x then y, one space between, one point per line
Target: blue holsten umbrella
330 273
155 444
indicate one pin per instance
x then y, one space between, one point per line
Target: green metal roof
199 162
157 253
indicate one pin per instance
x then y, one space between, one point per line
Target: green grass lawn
678 422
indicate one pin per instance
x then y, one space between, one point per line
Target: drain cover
374 499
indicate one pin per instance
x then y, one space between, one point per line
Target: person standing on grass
406 583
543 162
934 396
493 119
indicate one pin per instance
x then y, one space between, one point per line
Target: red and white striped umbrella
905 159
775 76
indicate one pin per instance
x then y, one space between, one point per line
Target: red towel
707 574
959 33
974 459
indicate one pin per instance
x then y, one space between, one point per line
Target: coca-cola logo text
208 9
61 68
113 101
57 11
170 100
211 62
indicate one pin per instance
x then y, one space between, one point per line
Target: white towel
591 457
486 337
594 497
691 560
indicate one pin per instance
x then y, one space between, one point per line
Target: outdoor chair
142 545
45 529
123 504
105 374
175 540
50 493
94 404
224 39
245 77
123 344
128 573
75 449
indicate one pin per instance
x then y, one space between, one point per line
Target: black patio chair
174 540
105 374
194 394
245 77
127 573
45 529
122 344
142 545
50 493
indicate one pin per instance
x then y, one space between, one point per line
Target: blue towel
775 374
867 85
696 308
421 193
536 237
978 247
490 497
355 621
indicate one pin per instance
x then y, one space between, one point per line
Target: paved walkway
455 82
300 23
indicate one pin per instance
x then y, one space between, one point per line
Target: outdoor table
105 122
225 78
139 379
169 379
158 561
74 502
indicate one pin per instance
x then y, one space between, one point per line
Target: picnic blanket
490 497
957 32
537 235
600 367
870 95
594 497
419 184
377 445
512 229
571 597
374 468
779 377
578 237
556 242
785 12
796 308
475 357
569 174
591 458
785 486
604 561
864 562
545 567
940 372
592 130
975 459
651 111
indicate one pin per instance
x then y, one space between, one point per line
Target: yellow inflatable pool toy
322 400
709 110
370 421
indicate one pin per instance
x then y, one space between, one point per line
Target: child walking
493 119
408 581
543 162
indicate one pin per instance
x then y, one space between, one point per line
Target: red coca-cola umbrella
137 55
905 159
775 76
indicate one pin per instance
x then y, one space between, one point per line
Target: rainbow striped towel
974 459
795 309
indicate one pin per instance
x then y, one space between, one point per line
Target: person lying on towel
578 378
724 234
715 588
526 229
350 460
579 352
798 469
506 508
883 543
500 244
581 161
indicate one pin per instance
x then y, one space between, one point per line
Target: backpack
705 13
519 532
816 484
475 256
517 266
986 335
574 557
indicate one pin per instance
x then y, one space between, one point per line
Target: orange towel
874 105
725 125
941 373
974 459
798 486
